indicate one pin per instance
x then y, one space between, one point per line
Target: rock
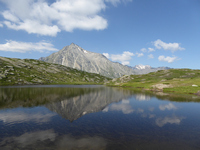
37 80
198 93
2 75
194 85
160 87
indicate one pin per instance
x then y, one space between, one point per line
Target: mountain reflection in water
95 117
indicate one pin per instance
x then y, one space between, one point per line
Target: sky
132 32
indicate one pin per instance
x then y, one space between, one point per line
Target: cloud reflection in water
48 139
124 106
20 116
169 106
171 120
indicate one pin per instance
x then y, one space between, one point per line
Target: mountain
144 69
76 57
29 71
139 67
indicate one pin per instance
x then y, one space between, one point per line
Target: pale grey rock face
76 57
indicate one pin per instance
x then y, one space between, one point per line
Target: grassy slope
173 80
29 71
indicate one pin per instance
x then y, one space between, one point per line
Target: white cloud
143 50
167 59
139 54
123 58
125 62
150 56
115 2
44 18
151 50
167 46
169 106
34 27
107 55
1 25
9 16
22 47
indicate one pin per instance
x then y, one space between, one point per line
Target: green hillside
174 80
29 71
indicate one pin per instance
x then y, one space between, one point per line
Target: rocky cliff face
76 57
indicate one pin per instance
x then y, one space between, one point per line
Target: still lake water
96 117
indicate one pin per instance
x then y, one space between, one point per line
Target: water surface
96 117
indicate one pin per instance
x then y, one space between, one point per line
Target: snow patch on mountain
142 67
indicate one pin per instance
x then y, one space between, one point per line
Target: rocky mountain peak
76 57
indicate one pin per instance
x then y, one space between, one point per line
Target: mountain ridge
144 69
76 57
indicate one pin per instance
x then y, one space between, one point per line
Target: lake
68 117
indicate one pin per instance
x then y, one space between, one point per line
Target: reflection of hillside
34 96
75 107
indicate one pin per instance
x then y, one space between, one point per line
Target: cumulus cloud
169 106
167 59
22 47
150 56
143 50
44 18
107 55
123 58
34 27
167 46
139 54
151 49
115 2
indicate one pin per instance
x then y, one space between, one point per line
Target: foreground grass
29 71
182 81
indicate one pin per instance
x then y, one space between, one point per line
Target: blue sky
132 32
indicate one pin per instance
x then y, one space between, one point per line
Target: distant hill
183 81
144 69
29 71
76 57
